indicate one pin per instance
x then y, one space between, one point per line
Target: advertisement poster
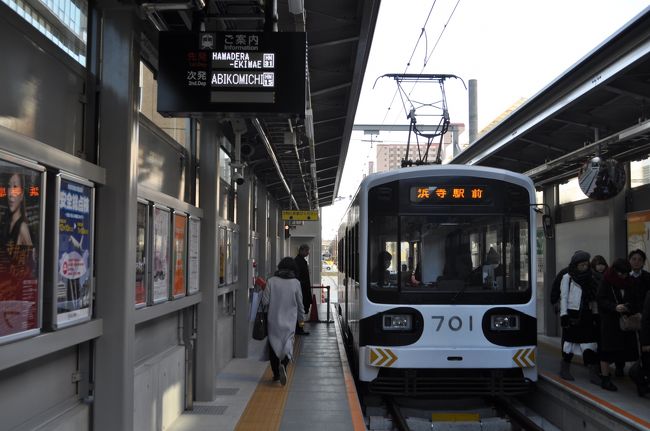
160 272
141 256
74 265
180 256
20 231
638 233
193 248
222 255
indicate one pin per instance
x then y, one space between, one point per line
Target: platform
319 395
320 392
622 409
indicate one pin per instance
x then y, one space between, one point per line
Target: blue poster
73 288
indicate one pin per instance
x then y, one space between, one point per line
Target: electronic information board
231 72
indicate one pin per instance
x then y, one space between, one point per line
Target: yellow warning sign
525 358
300 215
381 357
455 417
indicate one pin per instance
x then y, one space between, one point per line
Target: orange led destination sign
449 194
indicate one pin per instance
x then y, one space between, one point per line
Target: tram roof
600 104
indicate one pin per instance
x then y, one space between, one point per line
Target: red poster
20 227
179 258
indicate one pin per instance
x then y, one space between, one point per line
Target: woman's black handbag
259 327
630 323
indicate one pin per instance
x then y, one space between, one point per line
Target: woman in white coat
578 311
283 299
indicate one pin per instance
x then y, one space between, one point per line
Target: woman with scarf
616 297
578 311
283 299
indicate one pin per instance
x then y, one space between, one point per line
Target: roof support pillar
551 318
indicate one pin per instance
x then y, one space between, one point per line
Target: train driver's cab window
383 252
449 253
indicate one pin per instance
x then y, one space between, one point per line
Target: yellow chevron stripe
524 358
531 357
393 358
515 358
373 356
384 357
379 357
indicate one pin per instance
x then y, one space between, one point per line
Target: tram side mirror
601 179
547 225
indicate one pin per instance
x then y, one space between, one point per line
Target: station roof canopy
599 106
300 160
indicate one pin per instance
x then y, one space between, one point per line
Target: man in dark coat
645 348
639 276
305 283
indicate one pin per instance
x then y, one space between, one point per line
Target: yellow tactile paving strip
265 408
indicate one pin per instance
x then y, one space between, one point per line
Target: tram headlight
504 322
397 322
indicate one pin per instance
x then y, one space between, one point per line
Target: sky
513 48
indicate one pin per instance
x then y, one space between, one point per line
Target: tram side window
383 252
341 256
355 235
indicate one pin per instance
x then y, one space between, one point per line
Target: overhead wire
425 63
427 57
408 63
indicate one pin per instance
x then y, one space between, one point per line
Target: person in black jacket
640 277
578 310
616 296
305 284
645 346
598 267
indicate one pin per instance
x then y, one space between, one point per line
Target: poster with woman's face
179 256
74 264
20 230
160 270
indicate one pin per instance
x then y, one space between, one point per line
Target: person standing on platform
639 276
578 309
283 300
305 283
615 296
645 347
598 267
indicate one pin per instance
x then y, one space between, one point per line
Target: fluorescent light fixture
634 131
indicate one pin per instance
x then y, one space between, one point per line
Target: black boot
606 383
594 374
565 371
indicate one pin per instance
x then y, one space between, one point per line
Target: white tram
437 281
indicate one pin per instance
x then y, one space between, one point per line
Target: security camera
238 177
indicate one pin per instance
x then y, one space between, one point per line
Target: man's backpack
557 283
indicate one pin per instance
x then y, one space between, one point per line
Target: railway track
413 414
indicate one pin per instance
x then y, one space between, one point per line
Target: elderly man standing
305 283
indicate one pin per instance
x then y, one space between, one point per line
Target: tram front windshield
449 254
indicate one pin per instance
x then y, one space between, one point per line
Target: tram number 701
455 323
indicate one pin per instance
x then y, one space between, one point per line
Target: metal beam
331 89
269 149
540 144
343 117
335 42
401 127
327 169
327 141
619 137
